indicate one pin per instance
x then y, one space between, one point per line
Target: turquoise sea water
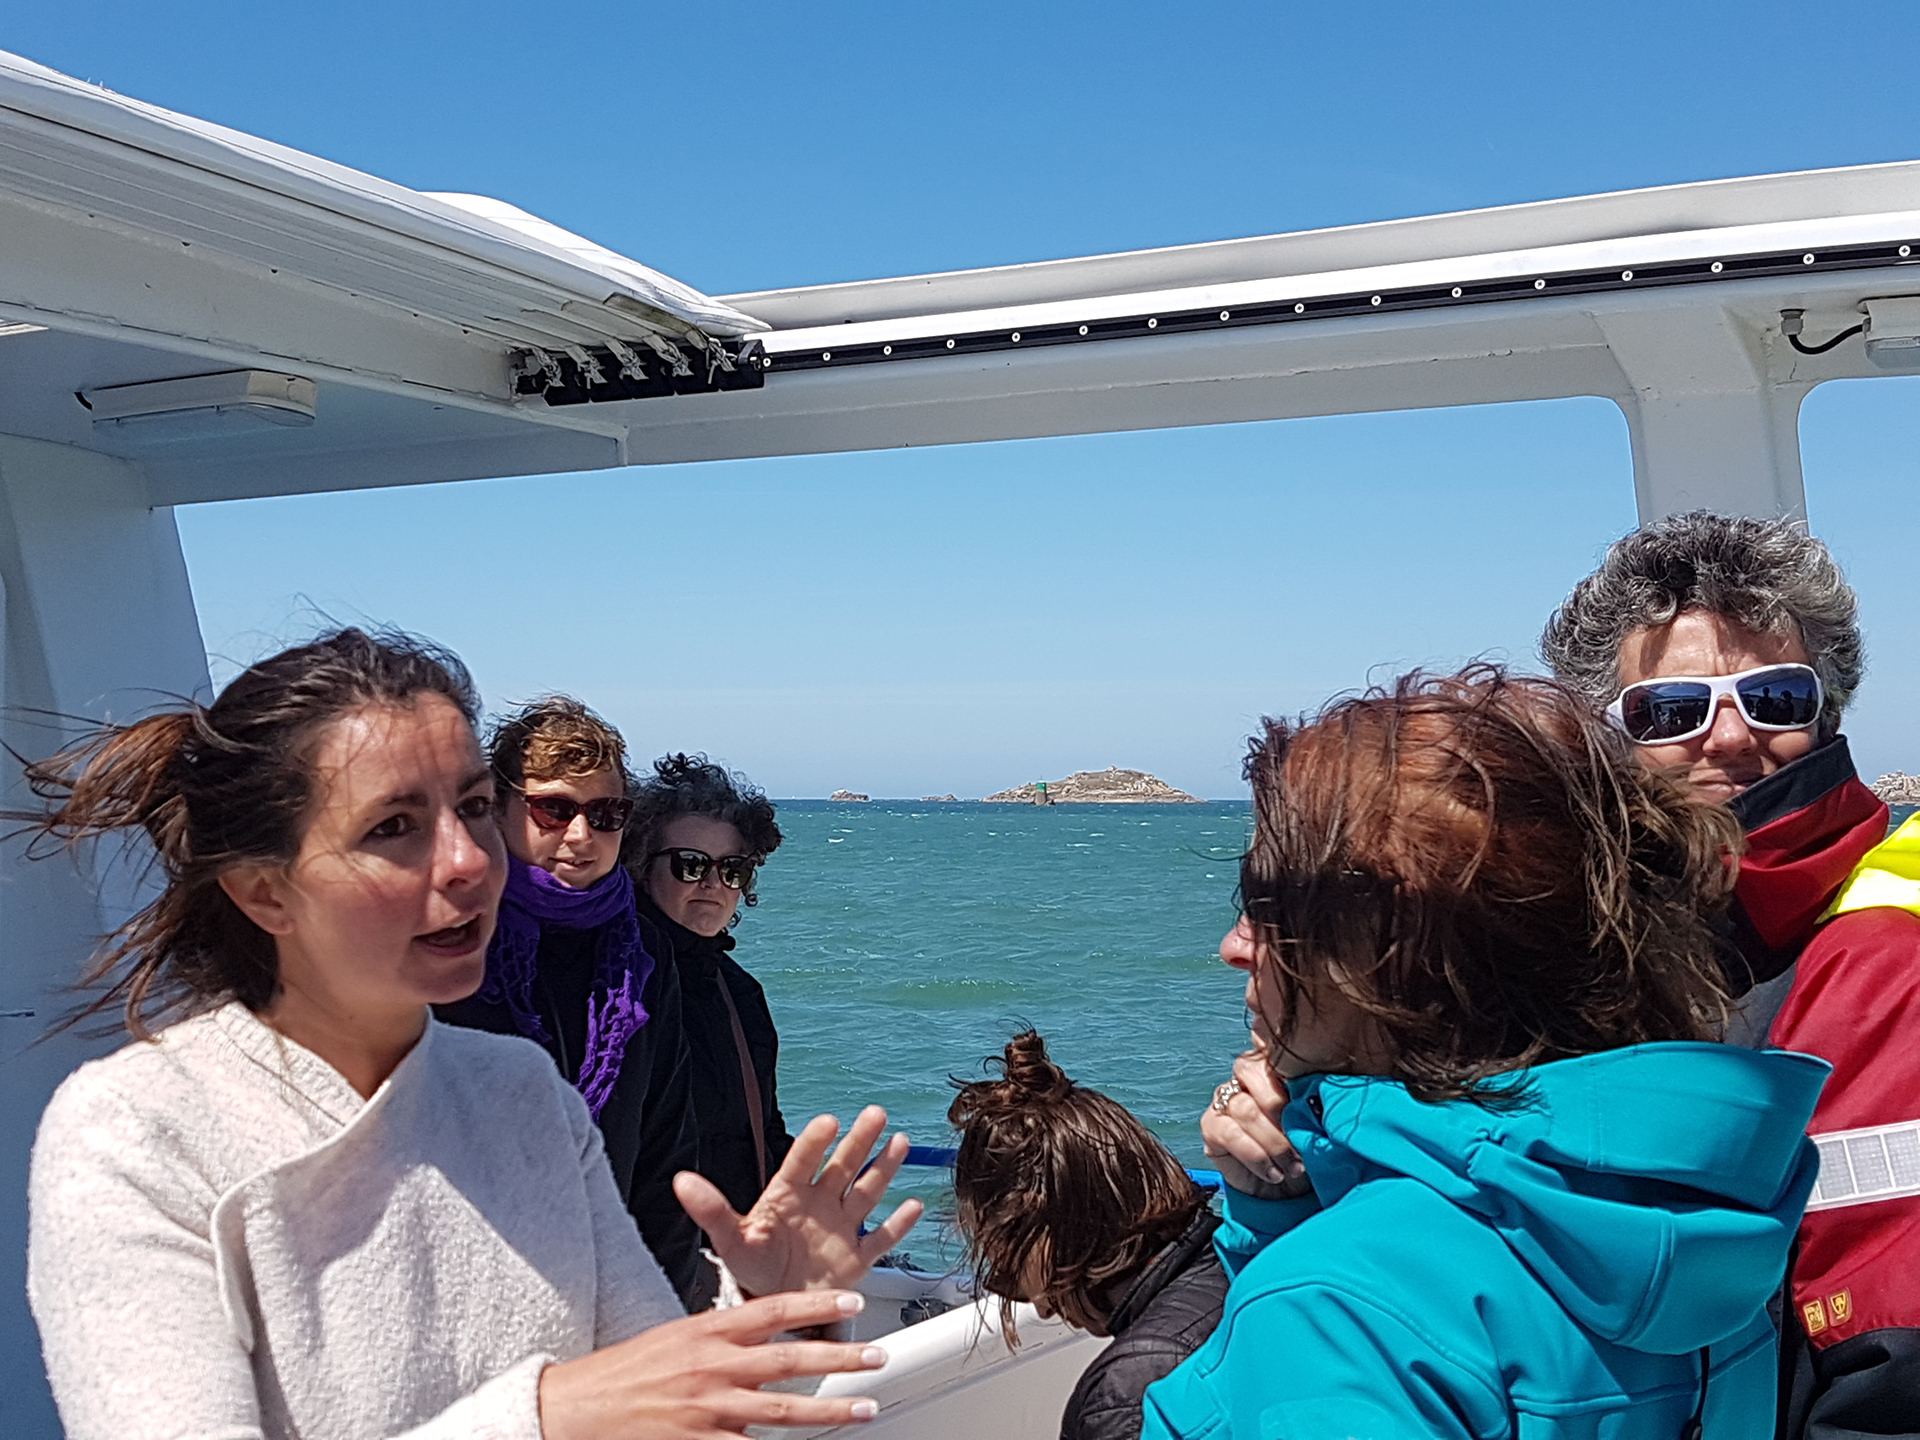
900 943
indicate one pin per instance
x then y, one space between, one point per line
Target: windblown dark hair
1480 865
212 786
1060 1179
693 785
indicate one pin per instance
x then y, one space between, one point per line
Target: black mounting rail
1359 302
637 371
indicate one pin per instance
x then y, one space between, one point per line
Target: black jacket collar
1167 1266
701 951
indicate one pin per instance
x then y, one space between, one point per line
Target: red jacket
1847 991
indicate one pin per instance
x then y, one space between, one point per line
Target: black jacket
1165 1315
647 1122
723 1124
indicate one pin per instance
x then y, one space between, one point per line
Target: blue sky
966 618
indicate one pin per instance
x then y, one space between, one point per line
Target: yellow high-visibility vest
1887 875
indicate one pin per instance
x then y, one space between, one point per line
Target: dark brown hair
693 785
1056 1177
212 786
1497 880
554 738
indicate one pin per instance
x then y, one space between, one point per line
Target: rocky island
847 795
1112 786
1899 788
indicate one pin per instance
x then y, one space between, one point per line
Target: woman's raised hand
699 1378
1240 1132
803 1233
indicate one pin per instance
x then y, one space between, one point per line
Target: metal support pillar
96 622
1713 427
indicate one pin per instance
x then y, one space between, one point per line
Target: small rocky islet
1112 786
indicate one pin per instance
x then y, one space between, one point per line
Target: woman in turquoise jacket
1488 1174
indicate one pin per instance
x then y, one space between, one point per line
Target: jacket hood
1653 1190
1808 824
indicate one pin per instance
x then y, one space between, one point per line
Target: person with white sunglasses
1727 649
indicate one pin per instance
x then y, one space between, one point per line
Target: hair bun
1028 1081
1030 1071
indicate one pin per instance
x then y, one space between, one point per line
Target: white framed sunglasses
1669 708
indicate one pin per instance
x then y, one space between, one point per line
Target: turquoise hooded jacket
1554 1268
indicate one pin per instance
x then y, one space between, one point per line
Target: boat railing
942 1156
955 1377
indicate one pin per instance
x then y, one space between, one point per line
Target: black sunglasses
556 812
690 867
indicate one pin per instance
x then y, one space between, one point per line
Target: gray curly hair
1768 575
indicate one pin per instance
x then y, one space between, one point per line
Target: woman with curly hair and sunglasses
697 838
574 966
1489 1174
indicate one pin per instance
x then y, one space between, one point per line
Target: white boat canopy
453 337
188 314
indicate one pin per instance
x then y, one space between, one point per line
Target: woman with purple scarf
572 966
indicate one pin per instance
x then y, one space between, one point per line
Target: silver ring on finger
1223 1095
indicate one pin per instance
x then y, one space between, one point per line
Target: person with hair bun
574 966
1068 1202
1489 1173
698 838
296 1205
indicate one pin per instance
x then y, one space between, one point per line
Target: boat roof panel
81 147
1586 220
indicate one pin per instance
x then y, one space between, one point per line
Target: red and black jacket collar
1808 824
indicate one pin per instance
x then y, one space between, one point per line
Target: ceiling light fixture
1893 331
200 406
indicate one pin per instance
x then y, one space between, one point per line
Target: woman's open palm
803 1233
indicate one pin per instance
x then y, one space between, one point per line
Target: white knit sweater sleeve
121 1277
121 1274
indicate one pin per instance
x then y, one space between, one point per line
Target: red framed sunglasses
608 814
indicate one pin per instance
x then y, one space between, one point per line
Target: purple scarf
535 900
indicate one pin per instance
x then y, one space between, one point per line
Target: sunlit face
705 906
390 902
1732 754
1331 1034
575 854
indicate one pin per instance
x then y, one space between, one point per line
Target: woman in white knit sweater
305 1209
